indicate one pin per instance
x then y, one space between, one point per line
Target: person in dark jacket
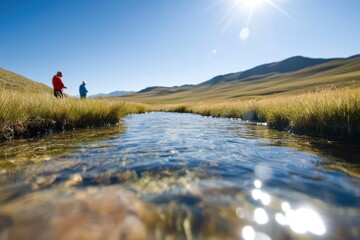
82 89
58 85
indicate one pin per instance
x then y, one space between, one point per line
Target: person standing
58 85
82 89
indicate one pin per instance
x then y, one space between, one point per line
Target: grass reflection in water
25 151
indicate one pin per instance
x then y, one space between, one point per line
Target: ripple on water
178 176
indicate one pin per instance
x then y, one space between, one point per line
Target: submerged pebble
74 180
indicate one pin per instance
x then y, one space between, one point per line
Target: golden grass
338 74
331 112
15 82
23 111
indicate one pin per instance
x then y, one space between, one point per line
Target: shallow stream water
179 176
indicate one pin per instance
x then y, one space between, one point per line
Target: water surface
179 176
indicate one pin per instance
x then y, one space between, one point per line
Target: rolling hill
15 82
288 65
112 94
290 76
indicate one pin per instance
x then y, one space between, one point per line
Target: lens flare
244 34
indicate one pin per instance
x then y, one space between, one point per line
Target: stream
179 176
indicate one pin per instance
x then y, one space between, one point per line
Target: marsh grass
331 112
31 114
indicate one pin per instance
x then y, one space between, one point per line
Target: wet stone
74 180
45 181
76 214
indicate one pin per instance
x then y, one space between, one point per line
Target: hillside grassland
270 86
40 113
15 82
337 74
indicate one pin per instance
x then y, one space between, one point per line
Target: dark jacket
82 89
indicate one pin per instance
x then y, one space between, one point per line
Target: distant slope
15 82
276 78
112 94
288 65
167 90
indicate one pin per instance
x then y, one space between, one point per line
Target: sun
247 9
250 6
251 3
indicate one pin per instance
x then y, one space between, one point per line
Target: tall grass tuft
331 112
24 114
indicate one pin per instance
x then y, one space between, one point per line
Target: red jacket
57 83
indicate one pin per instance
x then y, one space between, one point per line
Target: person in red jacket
58 85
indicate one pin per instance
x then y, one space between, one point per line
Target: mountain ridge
111 94
287 65
293 74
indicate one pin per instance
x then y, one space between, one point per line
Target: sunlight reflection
248 233
265 198
261 216
258 194
281 219
285 206
263 171
261 236
301 220
257 183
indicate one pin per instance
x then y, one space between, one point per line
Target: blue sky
134 44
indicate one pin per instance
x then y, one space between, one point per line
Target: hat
84 83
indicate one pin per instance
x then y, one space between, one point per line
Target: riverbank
30 115
331 113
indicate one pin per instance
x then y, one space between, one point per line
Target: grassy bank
35 114
330 113
327 113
